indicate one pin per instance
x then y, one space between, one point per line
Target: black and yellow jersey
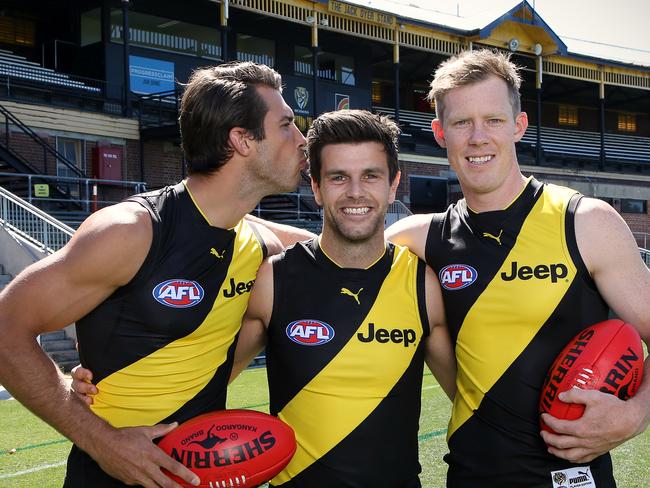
161 348
515 291
345 361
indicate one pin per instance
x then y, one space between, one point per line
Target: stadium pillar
224 31
314 63
601 96
396 66
538 92
126 108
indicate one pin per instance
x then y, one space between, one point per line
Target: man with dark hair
234 101
508 330
348 320
154 285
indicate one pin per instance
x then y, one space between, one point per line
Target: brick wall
163 164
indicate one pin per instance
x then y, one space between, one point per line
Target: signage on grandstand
341 101
361 13
301 95
151 75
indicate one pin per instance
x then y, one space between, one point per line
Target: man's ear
438 132
240 140
521 124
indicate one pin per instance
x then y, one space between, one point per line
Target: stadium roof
594 29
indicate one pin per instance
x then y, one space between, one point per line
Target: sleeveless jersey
516 291
161 347
345 362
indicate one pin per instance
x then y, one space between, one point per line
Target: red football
607 356
231 448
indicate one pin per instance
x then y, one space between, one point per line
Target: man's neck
351 254
499 199
219 197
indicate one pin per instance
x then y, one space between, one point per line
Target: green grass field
40 452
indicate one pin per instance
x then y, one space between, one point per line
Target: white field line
33 470
430 387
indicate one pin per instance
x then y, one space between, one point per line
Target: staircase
61 349
14 163
4 278
24 228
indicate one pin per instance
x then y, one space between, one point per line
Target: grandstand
90 115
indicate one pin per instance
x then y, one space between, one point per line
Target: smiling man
524 266
348 320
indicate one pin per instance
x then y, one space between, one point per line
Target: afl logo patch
310 332
457 276
178 293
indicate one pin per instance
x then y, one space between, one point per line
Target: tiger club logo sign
301 95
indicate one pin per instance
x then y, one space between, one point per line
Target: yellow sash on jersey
151 389
508 314
358 378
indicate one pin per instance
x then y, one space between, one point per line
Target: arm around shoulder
411 232
286 234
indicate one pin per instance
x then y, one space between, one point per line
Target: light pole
126 108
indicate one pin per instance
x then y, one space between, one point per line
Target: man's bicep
65 286
439 352
252 336
612 257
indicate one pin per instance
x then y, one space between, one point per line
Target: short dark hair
470 67
216 99
351 126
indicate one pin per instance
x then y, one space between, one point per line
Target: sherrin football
231 448
606 356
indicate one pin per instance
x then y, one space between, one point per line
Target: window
303 122
91 27
627 122
255 49
71 150
166 34
302 62
332 67
376 92
19 32
421 104
629 205
568 115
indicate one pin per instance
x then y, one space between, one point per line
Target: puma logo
345 291
217 254
492 236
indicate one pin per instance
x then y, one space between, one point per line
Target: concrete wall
16 254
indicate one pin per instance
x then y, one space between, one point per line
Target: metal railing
91 193
642 239
47 148
31 223
304 204
158 109
645 255
396 211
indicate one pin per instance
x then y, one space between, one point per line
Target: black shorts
84 472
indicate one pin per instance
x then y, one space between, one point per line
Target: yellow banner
361 13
